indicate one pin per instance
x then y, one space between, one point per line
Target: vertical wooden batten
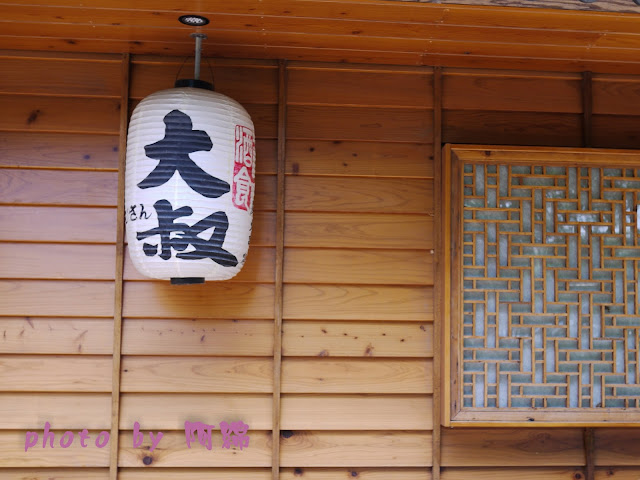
279 267
117 315
437 378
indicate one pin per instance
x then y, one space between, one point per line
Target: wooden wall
350 376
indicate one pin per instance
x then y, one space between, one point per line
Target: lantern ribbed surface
190 185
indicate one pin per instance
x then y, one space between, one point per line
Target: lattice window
542 264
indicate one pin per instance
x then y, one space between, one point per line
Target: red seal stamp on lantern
244 180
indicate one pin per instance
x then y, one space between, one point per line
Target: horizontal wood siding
357 376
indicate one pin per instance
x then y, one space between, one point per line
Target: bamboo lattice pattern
551 304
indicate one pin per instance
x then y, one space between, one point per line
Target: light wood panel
58 150
142 336
59 114
192 473
371 195
57 473
196 374
375 230
616 447
165 411
355 449
57 224
512 448
92 336
59 76
323 86
617 473
56 298
360 473
327 375
54 187
12 452
245 84
471 90
336 266
358 123
173 452
327 302
57 261
538 473
48 373
378 159
356 412
357 339
208 300
29 411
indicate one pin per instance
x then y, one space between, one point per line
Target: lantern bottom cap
186 280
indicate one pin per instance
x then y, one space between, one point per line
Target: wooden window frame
450 287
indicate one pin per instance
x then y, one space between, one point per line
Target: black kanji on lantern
180 139
180 235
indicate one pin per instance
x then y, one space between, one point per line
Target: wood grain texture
59 114
55 473
538 473
327 302
360 473
357 339
29 411
320 86
55 187
364 267
167 411
511 128
12 452
245 84
173 452
57 261
616 447
356 412
482 91
76 336
192 473
612 95
143 336
356 449
56 298
258 267
209 300
512 448
377 159
57 76
369 195
358 123
618 473
57 224
48 373
196 374
327 375
58 150
375 230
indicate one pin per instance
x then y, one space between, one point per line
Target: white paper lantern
190 183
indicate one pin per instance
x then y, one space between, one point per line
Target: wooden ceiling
357 31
